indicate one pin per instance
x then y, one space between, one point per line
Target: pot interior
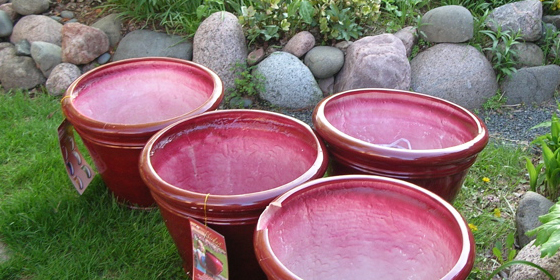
231 155
143 91
364 230
400 120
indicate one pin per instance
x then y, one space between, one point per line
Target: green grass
51 231
54 233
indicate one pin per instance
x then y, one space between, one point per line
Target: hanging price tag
209 253
79 171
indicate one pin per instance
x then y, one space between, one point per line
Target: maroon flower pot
117 107
410 136
363 227
223 168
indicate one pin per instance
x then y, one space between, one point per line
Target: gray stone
532 254
255 56
530 207
409 37
549 32
531 85
23 48
375 61
37 28
343 46
528 55
523 16
552 19
145 43
61 77
30 7
326 85
6 24
46 56
111 25
324 61
104 58
4 252
19 72
219 44
455 72
447 24
67 14
288 82
82 44
10 11
300 44
57 18
7 50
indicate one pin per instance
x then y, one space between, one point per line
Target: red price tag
79 171
209 253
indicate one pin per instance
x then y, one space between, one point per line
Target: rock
288 82
23 48
409 37
552 19
7 50
6 25
104 58
549 33
82 44
219 44
111 25
447 24
531 85
67 14
19 72
528 55
4 1
324 61
37 28
343 46
300 44
456 72
146 43
326 85
255 56
524 16
30 7
10 11
530 207
375 61
532 254
46 56
4 253
61 78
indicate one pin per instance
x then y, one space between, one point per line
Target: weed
247 84
494 102
502 54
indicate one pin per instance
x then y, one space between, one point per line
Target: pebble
23 48
67 14
57 18
104 58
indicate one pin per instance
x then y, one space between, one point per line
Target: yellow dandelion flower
486 179
473 227
497 213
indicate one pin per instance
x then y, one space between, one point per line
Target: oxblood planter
223 168
411 136
363 227
117 107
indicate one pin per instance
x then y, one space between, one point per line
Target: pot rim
89 123
319 120
258 199
266 254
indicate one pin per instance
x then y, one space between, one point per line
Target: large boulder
82 44
219 44
523 16
19 72
146 43
324 61
111 25
531 84
375 62
46 56
456 72
288 83
61 78
532 253
30 7
530 207
37 28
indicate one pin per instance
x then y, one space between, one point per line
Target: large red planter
117 107
223 168
363 227
419 138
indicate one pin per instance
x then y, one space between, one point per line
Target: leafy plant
548 234
247 84
494 102
501 51
402 12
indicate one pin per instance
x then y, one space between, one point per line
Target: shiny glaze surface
363 227
111 108
419 138
240 145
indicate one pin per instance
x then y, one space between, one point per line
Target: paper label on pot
209 253
79 171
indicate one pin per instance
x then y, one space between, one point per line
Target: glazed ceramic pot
117 107
422 139
363 227
223 168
